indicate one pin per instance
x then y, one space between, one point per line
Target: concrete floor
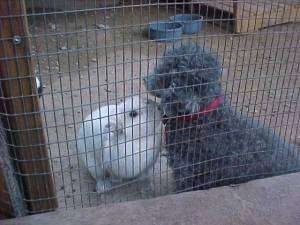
272 201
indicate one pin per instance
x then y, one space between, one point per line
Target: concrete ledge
269 201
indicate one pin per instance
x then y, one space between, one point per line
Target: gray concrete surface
272 201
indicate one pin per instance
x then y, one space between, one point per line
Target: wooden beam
255 15
250 16
22 108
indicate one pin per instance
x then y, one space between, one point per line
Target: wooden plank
6 210
66 5
227 6
255 15
223 6
22 108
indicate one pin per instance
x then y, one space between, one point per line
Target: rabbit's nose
110 127
113 127
119 127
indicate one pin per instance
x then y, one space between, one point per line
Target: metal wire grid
96 56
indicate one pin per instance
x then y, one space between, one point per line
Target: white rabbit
131 141
91 136
135 146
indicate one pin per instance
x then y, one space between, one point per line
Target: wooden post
236 21
22 109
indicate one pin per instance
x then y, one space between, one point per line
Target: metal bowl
191 23
165 30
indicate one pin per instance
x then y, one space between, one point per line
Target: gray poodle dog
209 144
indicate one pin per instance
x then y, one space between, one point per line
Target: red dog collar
205 110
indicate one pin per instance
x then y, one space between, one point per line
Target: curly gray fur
186 73
219 148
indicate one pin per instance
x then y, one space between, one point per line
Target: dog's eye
133 113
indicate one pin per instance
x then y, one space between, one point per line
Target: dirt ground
86 60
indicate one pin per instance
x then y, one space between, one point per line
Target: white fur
132 151
91 136
129 145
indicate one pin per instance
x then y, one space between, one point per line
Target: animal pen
94 53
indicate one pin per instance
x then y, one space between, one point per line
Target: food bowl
165 30
191 23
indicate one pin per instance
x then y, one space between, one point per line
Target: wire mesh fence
125 117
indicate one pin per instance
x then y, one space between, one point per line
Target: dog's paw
103 186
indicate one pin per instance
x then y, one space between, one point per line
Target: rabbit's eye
133 113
